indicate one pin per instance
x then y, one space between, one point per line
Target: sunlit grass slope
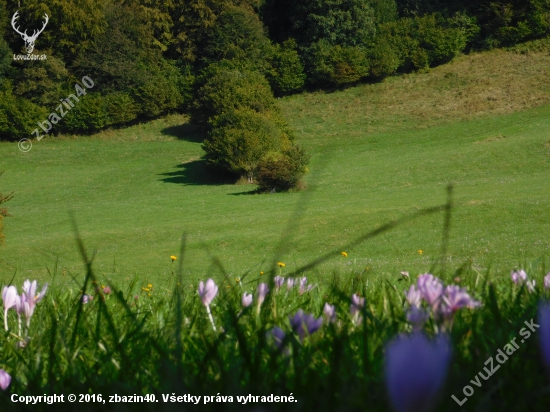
379 152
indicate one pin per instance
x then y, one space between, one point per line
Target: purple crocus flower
330 312
357 303
5 379
29 298
547 281
279 281
246 299
261 293
207 292
413 296
431 289
107 290
456 298
518 277
289 283
305 324
544 333
277 335
9 297
417 316
85 299
415 370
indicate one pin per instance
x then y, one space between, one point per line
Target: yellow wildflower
281 264
149 285
173 258
420 251
261 273
344 254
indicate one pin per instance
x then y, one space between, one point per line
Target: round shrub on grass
283 172
240 139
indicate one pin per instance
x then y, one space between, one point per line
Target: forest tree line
225 61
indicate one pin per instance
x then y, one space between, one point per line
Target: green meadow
380 152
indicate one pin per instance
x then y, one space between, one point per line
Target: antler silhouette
29 40
37 32
13 19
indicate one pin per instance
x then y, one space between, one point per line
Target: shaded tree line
225 61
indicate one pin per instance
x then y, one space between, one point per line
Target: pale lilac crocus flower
289 283
5 379
544 333
29 298
261 292
305 324
246 299
207 293
85 299
303 284
357 303
304 287
107 290
415 371
456 298
413 296
330 312
279 281
431 289
9 297
518 277
547 281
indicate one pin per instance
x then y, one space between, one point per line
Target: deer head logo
29 40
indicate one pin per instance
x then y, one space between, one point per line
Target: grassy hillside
379 152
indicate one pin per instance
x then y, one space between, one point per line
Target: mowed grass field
379 152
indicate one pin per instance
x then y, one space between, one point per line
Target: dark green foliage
339 22
41 82
336 65
232 90
246 124
385 11
424 41
286 73
283 172
120 108
18 116
238 35
89 114
383 59
241 138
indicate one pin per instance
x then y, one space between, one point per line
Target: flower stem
211 318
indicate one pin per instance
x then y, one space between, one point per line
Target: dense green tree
286 71
336 65
339 22
72 28
240 35
232 90
241 138
18 116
